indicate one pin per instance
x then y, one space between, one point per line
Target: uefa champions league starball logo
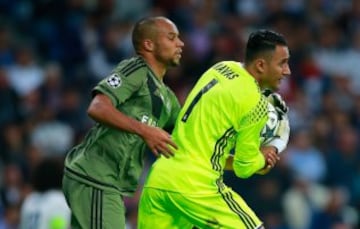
114 81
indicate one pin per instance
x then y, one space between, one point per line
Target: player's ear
260 65
148 45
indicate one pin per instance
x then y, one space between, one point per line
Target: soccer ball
268 132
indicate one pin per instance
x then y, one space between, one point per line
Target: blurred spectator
301 200
12 143
52 137
106 56
130 10
336 213
304 159
25 75
71 20
321 133
72 110
11 217
342 93
267 194
6 52
9 103
355 113
350 58
45 207
313 82
52 89
349 18
14 189
343 160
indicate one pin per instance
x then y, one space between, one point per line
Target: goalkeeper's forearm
229 166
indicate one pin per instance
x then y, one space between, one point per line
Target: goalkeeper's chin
276 86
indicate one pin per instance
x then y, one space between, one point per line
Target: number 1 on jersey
206 88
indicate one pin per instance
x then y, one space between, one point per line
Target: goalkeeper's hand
277 101
283 131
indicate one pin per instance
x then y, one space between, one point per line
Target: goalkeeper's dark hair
261 42
143 29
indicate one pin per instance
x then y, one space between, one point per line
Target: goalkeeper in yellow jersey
225 110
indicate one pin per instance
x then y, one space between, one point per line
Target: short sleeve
120 88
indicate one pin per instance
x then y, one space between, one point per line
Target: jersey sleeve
118 87
247 158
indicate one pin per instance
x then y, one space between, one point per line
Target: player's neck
158 68
252 71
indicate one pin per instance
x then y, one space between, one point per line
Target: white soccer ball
269 130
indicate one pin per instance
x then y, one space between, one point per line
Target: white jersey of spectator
46 210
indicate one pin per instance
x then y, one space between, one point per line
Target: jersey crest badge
114 81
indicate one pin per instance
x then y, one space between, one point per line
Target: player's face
168 45
277 68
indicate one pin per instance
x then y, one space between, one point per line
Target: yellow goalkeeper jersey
225 110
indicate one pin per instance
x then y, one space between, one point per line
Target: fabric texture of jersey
224 111
108 158
45 211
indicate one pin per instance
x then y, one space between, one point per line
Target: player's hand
159 141
277 101
270 155
271 158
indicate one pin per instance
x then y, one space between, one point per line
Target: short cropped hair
262 41
144 28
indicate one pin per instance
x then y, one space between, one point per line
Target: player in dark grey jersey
130 106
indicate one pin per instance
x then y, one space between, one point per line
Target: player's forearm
230 161
262 171
102 111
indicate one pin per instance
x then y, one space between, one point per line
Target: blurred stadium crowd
53 52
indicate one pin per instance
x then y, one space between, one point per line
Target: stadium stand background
52 53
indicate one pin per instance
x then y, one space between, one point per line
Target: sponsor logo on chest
148 120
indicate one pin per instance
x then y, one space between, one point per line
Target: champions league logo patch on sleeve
114 81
